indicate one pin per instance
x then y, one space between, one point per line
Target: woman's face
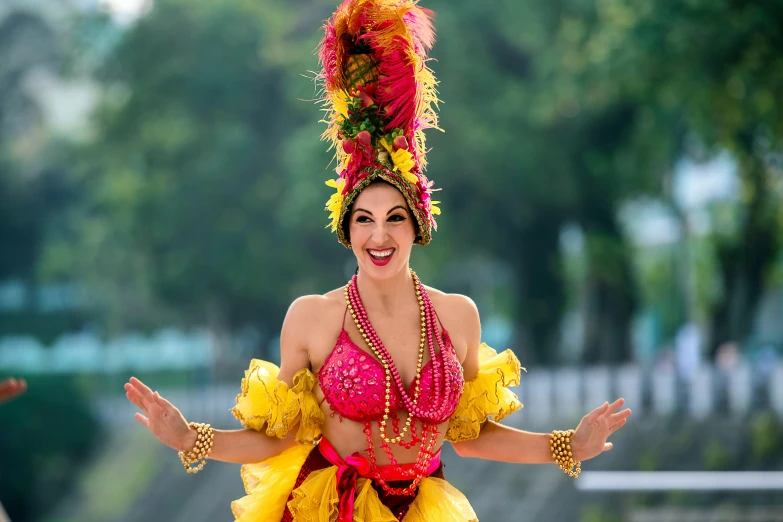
382 231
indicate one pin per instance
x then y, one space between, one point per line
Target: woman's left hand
589 438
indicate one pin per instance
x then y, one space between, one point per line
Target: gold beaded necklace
387 369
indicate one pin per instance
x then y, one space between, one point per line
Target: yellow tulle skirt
270 483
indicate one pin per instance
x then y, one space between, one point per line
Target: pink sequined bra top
352 381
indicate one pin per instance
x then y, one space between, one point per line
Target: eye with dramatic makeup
394 218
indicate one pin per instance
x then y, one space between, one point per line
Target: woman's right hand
159 416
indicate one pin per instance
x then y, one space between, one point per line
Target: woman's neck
387 295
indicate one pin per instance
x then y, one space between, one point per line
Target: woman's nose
379 233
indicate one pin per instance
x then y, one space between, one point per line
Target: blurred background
612 177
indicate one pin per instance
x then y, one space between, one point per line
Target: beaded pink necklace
431 416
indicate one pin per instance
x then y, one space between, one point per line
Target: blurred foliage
48 327
730 444
715 456
766 439
724 80
599 514
102 493
48 433
185 182
26 43
648 461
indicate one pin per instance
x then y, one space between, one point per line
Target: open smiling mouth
380 257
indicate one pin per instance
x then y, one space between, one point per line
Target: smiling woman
376 375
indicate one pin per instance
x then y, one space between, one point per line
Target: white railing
727 514
680 481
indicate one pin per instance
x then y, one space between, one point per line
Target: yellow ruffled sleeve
487 395
268 404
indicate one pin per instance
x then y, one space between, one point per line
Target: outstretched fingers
610 415
616 426
150 403
144 421
620 415
163 403
141 388
159 406
596 414
135 398
616 405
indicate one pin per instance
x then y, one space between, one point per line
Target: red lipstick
380 261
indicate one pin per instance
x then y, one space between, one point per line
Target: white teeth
384 253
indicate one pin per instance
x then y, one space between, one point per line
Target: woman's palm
589 438
159 416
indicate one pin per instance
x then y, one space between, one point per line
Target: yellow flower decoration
403 161
340 103
434 210
335 203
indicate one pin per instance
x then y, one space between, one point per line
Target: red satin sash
355 466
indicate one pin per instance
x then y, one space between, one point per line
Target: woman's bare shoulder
312 325
314 309
460 317
457 307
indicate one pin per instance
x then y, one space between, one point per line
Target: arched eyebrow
389 212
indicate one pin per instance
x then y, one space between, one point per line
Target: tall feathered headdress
379 96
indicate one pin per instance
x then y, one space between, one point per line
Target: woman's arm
506 444
244 446
169 426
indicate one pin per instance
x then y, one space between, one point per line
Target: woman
376 375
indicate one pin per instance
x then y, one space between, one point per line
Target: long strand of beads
420 467
436 358
429 336
360 319
396 427
440 364
436 413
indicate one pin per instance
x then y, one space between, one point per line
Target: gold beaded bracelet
560 444
200 452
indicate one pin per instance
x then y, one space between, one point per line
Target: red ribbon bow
348 473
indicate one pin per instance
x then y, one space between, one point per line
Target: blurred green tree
537 142
27 43
192 211
719 67
569 110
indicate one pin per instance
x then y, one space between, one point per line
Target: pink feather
328 57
